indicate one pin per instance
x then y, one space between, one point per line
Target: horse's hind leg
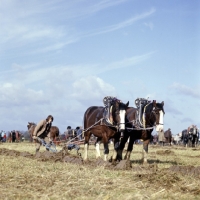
145 151
97 147
86 145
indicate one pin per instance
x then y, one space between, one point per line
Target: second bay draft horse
140 123
104 123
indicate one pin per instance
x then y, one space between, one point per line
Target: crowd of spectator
76 133
11 136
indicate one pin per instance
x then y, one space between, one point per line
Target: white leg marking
105 157
98 154
144 155
85 151
114 154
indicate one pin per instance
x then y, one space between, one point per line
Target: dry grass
28 178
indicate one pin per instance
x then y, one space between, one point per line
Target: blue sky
60 57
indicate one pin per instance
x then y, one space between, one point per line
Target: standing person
4 137
17 135
69 133
155 139
168 136
161 137
13 136
42 131
8 137
1 135
79 133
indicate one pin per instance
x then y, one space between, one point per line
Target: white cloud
185 90
121 25
18 95
92 87
28 25
54 90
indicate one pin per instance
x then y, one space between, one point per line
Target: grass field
172 173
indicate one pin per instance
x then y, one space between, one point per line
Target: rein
84 130
140 128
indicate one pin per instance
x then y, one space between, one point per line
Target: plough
74 146
52 147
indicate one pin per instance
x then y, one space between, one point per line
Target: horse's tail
57 132
54 134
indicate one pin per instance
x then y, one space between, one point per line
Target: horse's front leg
122 144
129 150
130 147
114 157
145 151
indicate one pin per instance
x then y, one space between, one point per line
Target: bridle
155 111
117 113
144 126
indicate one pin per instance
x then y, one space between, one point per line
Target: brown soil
142 170
65 156
165 152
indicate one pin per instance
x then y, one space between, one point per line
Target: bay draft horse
54 131
152 116
95 123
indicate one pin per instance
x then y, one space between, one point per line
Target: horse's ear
154 103
162 103
127 104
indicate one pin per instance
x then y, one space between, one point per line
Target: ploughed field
172 173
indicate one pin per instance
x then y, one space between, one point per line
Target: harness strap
144 114
140 128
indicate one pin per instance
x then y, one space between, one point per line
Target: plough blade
51 146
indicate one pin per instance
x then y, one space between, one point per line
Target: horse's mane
149 108
32 123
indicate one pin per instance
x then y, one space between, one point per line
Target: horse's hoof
114 163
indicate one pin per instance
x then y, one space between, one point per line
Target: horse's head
30 126
153 114
159 112
119 113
